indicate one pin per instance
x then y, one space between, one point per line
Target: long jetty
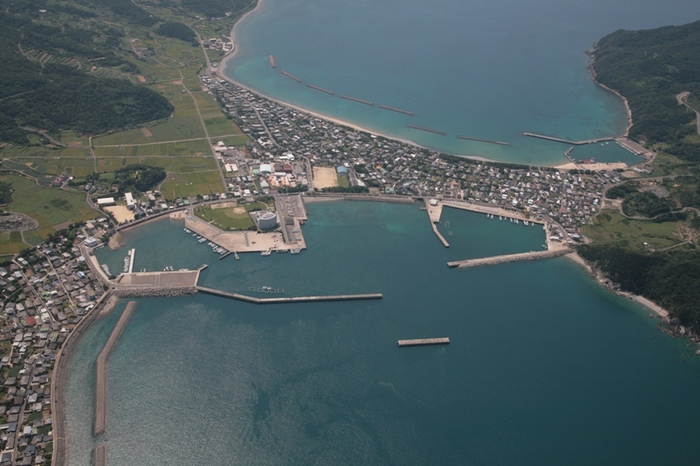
397 110
320 89
290 76
295 299
525 256
566 141
489 141
428 130
355 99
425 341
101 370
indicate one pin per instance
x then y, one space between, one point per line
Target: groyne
355 99
295 299
273 62
526 256
101 370
488 141
397 110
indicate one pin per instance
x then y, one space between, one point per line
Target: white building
130 202
267 220
105 201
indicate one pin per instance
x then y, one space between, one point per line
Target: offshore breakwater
101 370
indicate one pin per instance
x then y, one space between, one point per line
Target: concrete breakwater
489 141
427 130
99 455
290 76
355 99
163 292
320 89
101 370
397 110
525 256
295 299
566 141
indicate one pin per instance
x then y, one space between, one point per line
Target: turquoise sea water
545 367
484 69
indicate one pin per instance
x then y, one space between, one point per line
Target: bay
545 367
484 69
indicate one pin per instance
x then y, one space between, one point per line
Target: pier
101 370
132 254
566 141
488 141
354 99
525 256
434 213
273 62
397 110
290 76
428 130
425 341
296 299
320 89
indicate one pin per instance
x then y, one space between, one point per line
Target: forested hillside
650 68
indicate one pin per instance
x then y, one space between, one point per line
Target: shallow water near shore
545 367
481 69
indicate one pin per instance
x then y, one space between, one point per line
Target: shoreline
647 303
221 73
594 76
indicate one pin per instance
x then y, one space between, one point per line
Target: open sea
479 68
544 366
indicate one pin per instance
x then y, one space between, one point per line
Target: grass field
52 208
611 227
190 184
229 218
179 149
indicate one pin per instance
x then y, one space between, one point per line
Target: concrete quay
434 213
296 299
152 291
525 256
487 209
101 370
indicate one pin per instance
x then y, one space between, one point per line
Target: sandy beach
655 308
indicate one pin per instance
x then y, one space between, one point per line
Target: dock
525 256
290 76
566 141
397 110
101 370
427 130
320 89
273 62
296 299
132 254
355 99
425 341
488 141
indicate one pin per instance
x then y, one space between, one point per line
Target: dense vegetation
177 30
5 193
671 279
59 96
139 178
650 68
217 8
